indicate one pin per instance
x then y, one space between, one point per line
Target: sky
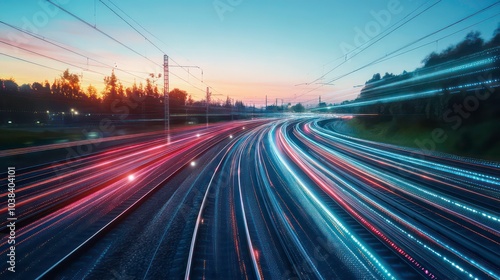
290 51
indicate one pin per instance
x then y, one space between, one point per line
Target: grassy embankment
480 141
24 137
20 137
33 136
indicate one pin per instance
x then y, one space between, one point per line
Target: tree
66 92
37 87
135 92
9 85
388 75
111 86
376 77
471 44
177 98
190 101
56 88
120 91
298 108
239 105
92 92
151 89
151 86
25 88
495 41
228 103
69 85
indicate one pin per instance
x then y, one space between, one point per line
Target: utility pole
266 104
166 94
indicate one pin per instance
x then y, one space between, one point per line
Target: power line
117 41
135 22
102 32
378 38
102 2
374 41
146 30
432 42
387 56
28 61
49 57
44 39
158 48
416 41
426 9
441 38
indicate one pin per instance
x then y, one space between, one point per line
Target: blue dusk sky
294 50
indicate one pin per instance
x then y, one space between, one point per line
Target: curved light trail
271 199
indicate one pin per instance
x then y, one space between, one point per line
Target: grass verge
480 141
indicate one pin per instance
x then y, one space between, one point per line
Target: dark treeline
65 101
460 82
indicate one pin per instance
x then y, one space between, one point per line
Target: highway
259 199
